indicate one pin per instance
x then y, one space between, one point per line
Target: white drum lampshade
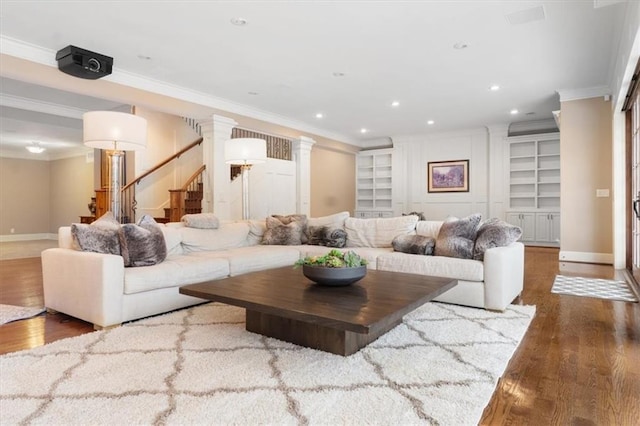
245 151
114 130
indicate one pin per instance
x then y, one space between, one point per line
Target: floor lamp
116 132
245 152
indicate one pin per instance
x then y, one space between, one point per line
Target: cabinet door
554 227
548 227
543 232
526 222
528 226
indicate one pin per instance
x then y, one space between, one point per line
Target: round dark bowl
334 276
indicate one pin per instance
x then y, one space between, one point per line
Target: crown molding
475 131
40 106
585 93
33 53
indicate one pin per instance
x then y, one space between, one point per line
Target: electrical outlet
12 230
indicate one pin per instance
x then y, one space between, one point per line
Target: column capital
303 142
221 120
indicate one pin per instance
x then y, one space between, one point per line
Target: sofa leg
109 327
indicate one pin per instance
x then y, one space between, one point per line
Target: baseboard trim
27 237
586 257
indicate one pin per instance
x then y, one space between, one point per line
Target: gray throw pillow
282 235
335 237
457 237
326 236
143 244
99 237
494 233
414 244
315 235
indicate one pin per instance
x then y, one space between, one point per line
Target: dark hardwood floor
579 363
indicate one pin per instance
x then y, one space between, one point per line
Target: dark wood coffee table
282 303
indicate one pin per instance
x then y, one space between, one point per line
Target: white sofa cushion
173 272
428 228
173 240
332 221
254 258
229 235
378 232
435 266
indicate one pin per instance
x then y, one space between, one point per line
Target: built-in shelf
533 189
374 183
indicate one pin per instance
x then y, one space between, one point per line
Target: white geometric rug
593 287
10 313
200 366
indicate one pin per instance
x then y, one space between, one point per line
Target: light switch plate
602 192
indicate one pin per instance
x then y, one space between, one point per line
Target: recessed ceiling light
338 74
35 148
494 88
430 122
241 22
395 103
363 130
253 93
513 111
319 115
460 46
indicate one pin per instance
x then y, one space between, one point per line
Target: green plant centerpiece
335 268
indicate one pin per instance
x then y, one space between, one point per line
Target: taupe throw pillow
457 237
143 244
414 244
494 233
99 237
283 235
300 218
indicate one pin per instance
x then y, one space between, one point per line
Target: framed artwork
448 176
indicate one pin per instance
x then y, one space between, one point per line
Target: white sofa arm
503 275
84 285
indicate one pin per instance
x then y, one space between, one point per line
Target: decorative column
217 169
498 181
302 157
206 128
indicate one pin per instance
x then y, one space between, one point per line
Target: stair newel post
177 203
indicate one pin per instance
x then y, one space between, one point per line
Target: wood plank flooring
579 363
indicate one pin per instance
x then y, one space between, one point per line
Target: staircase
191 203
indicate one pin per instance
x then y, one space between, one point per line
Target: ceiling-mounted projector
83 63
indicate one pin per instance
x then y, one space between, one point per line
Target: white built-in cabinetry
533 197
374 183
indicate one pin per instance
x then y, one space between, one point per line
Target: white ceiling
289 51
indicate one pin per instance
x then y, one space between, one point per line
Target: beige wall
585 152
24 196
37 197
71 189
332 181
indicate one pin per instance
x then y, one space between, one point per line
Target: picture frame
448 176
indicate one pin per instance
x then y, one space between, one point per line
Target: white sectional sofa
99 289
